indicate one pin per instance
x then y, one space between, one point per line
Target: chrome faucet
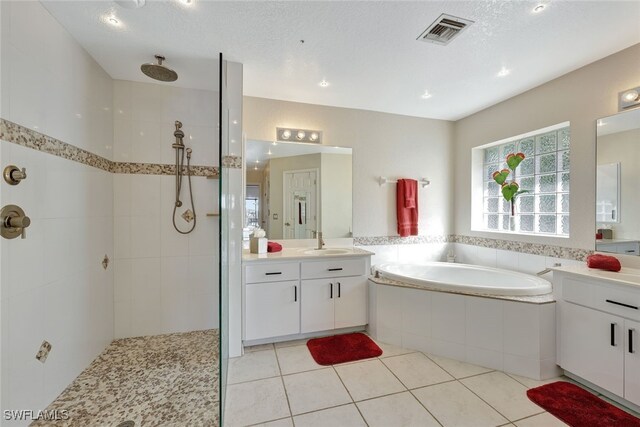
320 240
548 270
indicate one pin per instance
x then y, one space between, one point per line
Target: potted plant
510 189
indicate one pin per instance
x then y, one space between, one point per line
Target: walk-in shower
190 214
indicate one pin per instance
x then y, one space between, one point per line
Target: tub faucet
320 240
547 270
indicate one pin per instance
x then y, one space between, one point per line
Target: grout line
353 402
490 405
254 380
286 394
425 406
461 378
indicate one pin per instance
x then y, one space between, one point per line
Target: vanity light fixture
301 135
629 98
504 71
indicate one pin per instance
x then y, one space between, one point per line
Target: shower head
159 71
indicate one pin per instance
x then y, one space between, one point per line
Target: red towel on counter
603 262
407 195
274 247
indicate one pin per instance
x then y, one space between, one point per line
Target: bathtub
465 278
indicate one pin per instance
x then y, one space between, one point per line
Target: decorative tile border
161 169
234 162
507 245
397 240
25 137
524 247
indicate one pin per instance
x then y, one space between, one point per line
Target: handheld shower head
189 150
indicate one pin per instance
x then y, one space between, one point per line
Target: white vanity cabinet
334 295
298 298
598 332
272 300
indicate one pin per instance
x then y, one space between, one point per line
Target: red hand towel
410 193
407 217
603 262
274 247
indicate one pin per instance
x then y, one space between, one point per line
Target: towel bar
384 180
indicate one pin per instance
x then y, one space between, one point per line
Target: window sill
516 233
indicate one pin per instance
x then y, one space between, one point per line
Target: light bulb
504 72
301 134
313 136
286 134
630 96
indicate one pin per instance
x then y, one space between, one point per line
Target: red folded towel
274 247
407 216
603 262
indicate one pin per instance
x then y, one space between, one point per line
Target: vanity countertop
626 276
293 254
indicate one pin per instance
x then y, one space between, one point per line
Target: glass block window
544 172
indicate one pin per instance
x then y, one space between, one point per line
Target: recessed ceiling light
301 134
112 20
539 8
324 83
286 134
426 95
313 136
504 72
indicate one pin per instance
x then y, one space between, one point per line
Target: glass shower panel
225 203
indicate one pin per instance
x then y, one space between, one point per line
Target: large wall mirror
618 177
295 190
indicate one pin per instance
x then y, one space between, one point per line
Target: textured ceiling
366 50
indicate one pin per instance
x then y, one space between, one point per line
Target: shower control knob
14 222
12 175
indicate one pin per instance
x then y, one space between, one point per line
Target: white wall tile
521 322
448 317
484 323
416 312
531 264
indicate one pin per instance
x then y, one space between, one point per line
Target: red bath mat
342 348
578 408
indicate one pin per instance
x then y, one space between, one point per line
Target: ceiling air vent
444 29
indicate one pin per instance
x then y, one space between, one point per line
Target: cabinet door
317 305
272 309
592 346
632 362
351 301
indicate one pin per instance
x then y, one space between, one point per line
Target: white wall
52 285
336 195
383 144
164 281
624 148
580 97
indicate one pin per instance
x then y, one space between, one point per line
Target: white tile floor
282 386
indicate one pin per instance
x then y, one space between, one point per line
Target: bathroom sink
327 251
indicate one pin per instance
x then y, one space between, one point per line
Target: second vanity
598 330
301 292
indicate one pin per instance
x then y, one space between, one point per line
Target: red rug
579 408
342 348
